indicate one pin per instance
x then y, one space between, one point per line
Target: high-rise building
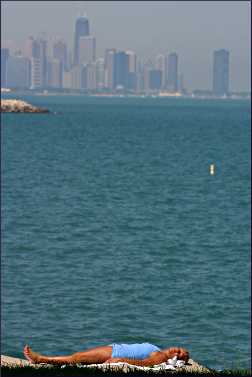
160 65
18 73
81 30
90 70
78 77
31 48
36 51
60 53
67 80
86 50
109 79
9 44
140 76
221 72
121 70
100 73
36 73
172 80
4 60
132 60
132 81
155 79
132 68
43 59
147 67
54 74
181 87
69 59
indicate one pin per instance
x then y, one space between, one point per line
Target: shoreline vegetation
18 367
18 106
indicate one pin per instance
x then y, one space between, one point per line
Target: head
181 353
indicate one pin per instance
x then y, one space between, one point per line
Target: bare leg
92 356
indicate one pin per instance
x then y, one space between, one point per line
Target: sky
193 29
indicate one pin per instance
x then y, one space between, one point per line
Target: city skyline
36 67
195 60
118 72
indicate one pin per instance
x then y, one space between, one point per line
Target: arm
156 358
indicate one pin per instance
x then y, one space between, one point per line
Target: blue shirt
133 351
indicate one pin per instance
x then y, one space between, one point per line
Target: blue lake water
113 230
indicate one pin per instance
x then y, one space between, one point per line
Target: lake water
113 230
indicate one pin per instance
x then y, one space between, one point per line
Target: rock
192 366
13 361
18 106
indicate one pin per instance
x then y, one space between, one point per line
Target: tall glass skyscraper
220 72
172 81
81 30
121 70
155 79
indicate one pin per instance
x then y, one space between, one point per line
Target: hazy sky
194 29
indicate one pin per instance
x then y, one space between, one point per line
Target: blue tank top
133 351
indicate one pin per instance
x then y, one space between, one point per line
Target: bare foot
31 356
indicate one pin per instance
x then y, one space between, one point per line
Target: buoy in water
212 168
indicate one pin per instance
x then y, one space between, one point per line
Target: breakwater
18 106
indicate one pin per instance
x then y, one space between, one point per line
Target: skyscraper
221 72
160 65
148 66
109 79
78 77
81 30
36 51
121 70
36 73
140 82
67 80
60 53
100 70
86 50
18 72
155 79
32 48
54 74
43 60
132 61
172 81
181 87
4 60
132 76
91 76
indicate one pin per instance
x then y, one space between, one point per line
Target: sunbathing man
144 354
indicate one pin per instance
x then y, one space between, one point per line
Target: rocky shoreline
18 106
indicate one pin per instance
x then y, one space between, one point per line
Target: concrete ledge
192 366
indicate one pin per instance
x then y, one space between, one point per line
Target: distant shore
196 94
18 106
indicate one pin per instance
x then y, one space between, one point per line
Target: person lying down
142 354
